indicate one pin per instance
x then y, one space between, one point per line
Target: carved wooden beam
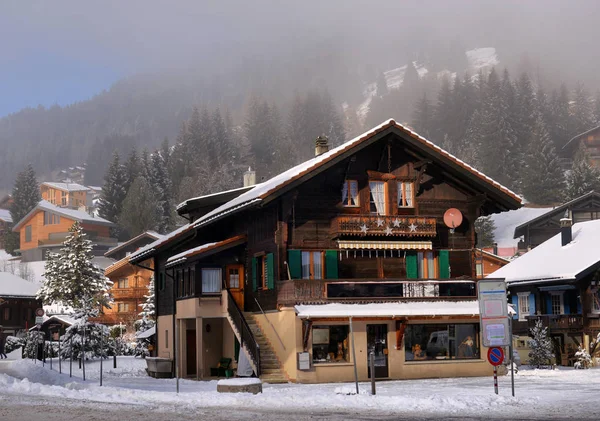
422 170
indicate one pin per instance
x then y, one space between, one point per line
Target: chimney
495 249
249 177
321 145
565 229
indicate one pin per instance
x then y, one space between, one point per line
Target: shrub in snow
12 343
97 341
541 346
33 342
584 360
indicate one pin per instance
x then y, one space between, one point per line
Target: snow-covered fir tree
146 321
542 178
541 346
26 195
484 227
421 119
96 342
113 190
582 111
140 211
583 177
161 185
584 360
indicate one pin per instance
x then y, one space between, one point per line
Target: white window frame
560 294
348 194
523 305
595 297
406 194
206 281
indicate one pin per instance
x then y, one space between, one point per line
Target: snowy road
29 392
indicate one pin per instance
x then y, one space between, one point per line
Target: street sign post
495 357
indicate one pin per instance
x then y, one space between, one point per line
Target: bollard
115 361
372 365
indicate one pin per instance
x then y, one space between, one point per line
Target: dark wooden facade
17 313
542 228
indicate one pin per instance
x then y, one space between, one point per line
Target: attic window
405 194
350 193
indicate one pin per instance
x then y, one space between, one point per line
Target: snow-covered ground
543 394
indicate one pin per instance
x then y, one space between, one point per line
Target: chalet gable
71 214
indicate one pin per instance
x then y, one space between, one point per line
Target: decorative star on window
364 228
396 223
379 222
388 230
412 227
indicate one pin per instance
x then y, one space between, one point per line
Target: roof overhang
210 200
204 250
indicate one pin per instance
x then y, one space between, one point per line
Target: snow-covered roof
506 222
5 216
551 261
579 136
182 257
70 187
74 214
13 286
152 234
214 195
263 190
406 308
146 333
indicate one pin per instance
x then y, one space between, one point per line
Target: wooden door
235 283
190 352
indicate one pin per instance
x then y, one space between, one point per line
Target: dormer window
350 193
405 194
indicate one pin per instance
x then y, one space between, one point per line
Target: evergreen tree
26 195
560 118
422 115
261 129
583 177
464 102
161 185
524 122
132 168
145 165
597 107
543 179
584 360
582 111
541 346
484 227
113 191
141 211
443 115
223 148
146 321
98 343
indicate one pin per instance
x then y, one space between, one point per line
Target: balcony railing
306 291
121 293
558 321
384 225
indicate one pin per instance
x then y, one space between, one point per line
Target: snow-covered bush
541 346
12 343
145 322
33 343
584 360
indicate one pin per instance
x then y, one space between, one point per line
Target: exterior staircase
271 371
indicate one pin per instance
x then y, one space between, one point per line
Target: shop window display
441 342
330 344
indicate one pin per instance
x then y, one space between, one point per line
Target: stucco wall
164 348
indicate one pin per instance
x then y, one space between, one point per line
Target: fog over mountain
158 59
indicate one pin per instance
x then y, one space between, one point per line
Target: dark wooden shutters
331 264
270 271
412 270
254 274
295 263
444 264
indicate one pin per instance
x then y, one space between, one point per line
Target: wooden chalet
67 195
46 227
545 226
17 303
353 238
488 261
130 282
558 282
589 141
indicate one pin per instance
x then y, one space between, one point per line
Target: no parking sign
495 356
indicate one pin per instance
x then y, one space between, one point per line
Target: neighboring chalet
351 240
541 228
130 282
5 225
558 282
17 303
67 195
46 227
588 141
488 261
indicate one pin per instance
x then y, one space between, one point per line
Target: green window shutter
254 265
331 264
295 263
444 264
270 271
412 271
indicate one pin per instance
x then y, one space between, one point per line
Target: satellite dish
453 218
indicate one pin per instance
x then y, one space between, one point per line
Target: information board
493 310
303 361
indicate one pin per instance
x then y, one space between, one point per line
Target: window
557 302
523 305
234 277
377 197
123 283
263 272
595 300
405 194
28 233
51 219
63 199
479 269
191 281
123 307
330 344
350 193
312 265
7 313
211 281
441 342
426 265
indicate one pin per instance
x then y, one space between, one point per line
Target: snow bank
239 381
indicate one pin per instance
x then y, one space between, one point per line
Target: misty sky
64 51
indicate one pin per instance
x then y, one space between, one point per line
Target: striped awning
384 245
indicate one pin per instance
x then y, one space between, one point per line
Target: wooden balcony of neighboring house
114 318
558 322
317 291
129 293
520 327
393 225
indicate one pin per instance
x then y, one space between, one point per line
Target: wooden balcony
558 322
129 293
317 291
384 225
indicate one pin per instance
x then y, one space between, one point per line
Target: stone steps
271 371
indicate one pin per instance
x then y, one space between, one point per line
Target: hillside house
17 303
67 195
46 227
590 143
130 283
352 240
558 283
487 262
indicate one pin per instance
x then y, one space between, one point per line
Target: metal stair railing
246 337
